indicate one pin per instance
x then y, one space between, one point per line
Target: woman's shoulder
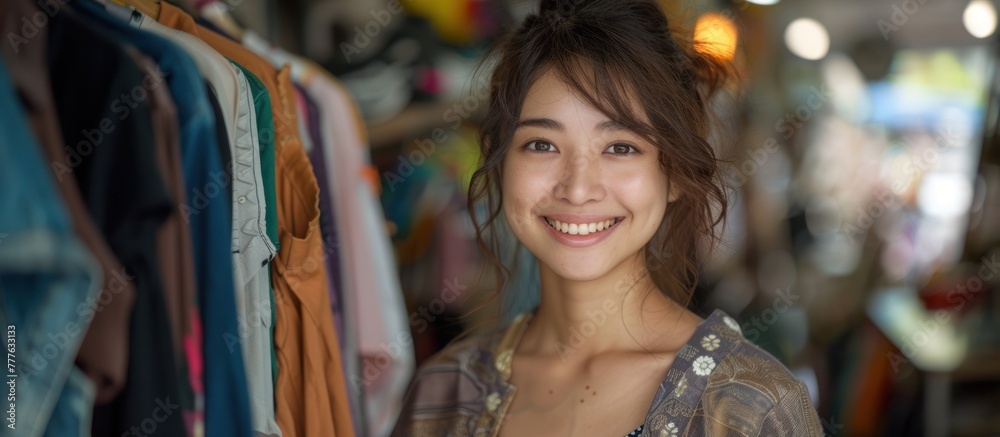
452 387
750 366
469 365
754 392
475 350
729 359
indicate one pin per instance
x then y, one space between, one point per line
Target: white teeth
580 229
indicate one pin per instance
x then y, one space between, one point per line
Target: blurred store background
863 242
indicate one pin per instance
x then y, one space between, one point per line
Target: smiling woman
595 154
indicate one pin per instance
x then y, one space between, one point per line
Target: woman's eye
622 149
539 146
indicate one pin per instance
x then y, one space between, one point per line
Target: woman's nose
580 180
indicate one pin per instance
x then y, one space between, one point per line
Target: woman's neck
622 310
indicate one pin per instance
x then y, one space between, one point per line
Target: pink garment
195 420
345 161
382 328
300 100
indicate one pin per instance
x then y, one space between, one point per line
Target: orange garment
310 393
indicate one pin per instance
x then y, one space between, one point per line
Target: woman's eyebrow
545 123
548 123
611 126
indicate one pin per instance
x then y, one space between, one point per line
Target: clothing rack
192 242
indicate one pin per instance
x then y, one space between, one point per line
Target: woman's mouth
582 228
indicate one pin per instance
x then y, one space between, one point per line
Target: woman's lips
582 231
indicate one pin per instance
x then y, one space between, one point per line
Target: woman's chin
585 265
578 270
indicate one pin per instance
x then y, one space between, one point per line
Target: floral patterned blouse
720 384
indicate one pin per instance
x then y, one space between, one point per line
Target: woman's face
583 194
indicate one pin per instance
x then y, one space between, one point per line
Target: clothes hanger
149 8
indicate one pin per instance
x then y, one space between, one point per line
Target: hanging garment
326 217
208 209
121 185
265 136
305 343
332 249
103 356
214 68
173 261
252 253
174 239
349 347
46 275
379 318
252 248
265 139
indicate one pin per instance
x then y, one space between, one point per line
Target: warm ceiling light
764 2
807 39
980 18
716 35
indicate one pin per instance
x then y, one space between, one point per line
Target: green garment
265 136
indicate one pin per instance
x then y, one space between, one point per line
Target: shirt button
242 199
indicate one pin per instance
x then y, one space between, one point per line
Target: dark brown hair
615 54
